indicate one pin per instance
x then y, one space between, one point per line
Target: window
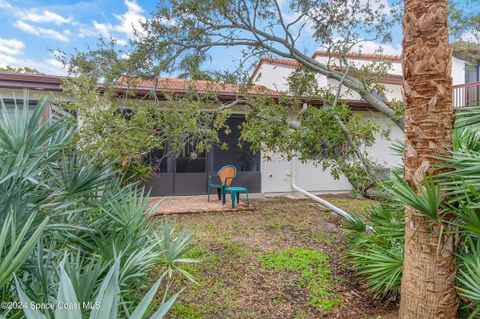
472 93
10 106
472 73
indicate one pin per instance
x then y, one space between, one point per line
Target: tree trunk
429 271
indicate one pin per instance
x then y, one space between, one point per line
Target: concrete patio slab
195 204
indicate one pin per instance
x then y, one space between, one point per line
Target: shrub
71 231
451 198
377 248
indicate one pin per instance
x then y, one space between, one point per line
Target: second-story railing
467 94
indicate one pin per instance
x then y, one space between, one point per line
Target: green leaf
66 296
142 307
30 312
19 248
108 295
427 201
165 307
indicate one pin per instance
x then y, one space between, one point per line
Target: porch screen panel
190 161
241 156
161 161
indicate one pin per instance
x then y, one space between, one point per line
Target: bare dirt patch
231 282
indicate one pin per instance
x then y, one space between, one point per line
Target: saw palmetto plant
451 199
72 232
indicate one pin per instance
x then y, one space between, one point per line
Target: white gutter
328 205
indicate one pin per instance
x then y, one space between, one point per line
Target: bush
451 198
71 231
377 248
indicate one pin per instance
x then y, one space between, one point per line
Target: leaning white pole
328 205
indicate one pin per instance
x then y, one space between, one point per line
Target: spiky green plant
53 199
105 305
425 199
452 199
175 246
469 276
377 247
15 247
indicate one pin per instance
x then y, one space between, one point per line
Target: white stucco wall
274 76
458 71
392 91
396 66
380 151
276 173
276 177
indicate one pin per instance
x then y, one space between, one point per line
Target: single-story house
187 176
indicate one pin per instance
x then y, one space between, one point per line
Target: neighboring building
186 176
273 73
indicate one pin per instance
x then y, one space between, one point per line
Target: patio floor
196 204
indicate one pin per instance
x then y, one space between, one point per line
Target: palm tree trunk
429 265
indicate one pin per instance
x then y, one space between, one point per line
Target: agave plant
105 305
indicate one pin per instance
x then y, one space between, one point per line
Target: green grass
188 311
248 268
316 275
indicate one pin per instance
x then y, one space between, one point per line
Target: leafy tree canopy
23 69
181 34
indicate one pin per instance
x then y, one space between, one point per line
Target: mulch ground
231 283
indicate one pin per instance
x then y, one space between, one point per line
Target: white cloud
471 36
103 28
5 5
48 66
85 31
55 64
127 23
45 16
374 47
6 59
10 50
11 46
43 32
130 20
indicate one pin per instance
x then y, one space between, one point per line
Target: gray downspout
328 205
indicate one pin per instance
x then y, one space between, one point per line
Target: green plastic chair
225 175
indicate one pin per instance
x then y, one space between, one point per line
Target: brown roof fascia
31 81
